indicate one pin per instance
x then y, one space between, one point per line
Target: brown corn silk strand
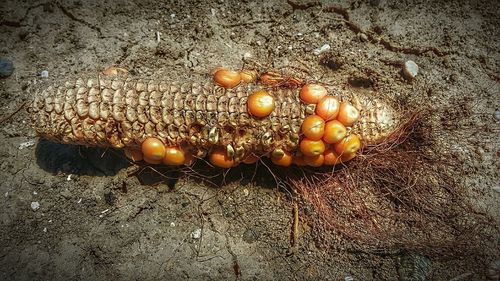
123 112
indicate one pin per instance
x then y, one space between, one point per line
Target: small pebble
493 272
196 234
172 224
363 37
496 188
410 69
6 67
35 206
247 55
497 115
322 49
26 144
44 74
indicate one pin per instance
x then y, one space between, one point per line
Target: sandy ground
96 223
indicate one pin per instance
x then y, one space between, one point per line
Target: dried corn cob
121 112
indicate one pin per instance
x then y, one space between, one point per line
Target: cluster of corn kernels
325 133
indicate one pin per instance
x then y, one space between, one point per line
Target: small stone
26 144
6 67
497 115
363 37
44 74
322 49
413 266
172 224
35 206
196 234
496 188
410 69
247 55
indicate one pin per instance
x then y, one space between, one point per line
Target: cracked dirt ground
96 223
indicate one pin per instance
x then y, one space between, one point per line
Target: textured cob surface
123 112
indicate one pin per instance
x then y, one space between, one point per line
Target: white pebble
497 114
172 15
26 144
322 49
44 74
69 177
196 234
348 278
496 188
35 206
247 55
172 224
410 69
44 229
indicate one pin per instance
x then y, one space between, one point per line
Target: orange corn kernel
328 108
331 157
285 160
312 93
311 147
298 160
218 157
334 132
347 156
349 145
260 104
348 114
133 154
314 161
227 78
153 150
313 127
248 76
174 156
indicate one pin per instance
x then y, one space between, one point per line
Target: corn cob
123 112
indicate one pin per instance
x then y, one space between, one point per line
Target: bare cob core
196 117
